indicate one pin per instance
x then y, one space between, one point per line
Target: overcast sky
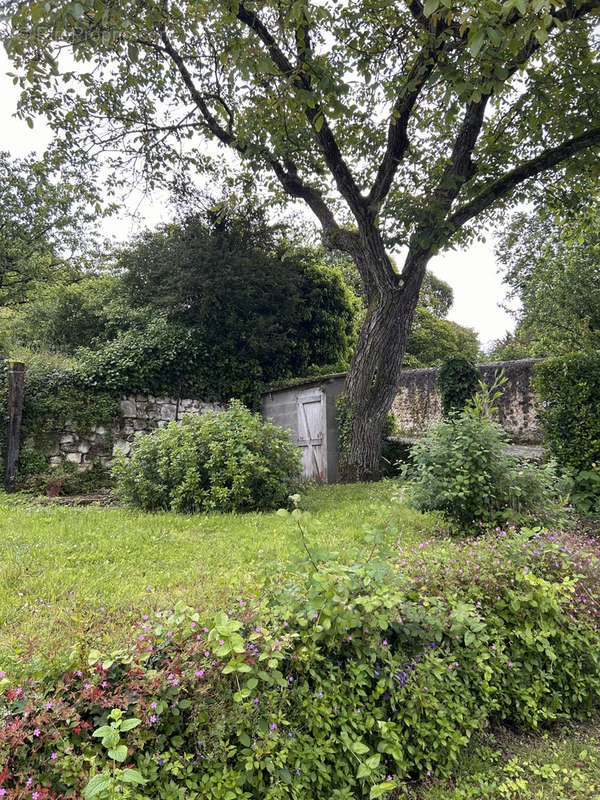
472 273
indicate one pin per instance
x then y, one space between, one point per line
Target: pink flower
54 756
36 732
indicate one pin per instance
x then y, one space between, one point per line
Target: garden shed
307 409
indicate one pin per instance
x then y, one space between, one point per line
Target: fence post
16 393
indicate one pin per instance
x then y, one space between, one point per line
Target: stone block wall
139 414
418 405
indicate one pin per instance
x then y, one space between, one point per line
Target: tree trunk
374 374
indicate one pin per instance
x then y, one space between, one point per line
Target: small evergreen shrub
218 461
458 381
462 469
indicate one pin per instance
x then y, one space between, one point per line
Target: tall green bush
218 461
569 391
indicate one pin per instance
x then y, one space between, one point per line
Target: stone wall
418 405
139 414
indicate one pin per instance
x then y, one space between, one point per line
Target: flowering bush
219 461
342 681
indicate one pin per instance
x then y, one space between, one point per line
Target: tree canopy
551 264
408 123
45 217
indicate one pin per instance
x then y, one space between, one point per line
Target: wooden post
16 393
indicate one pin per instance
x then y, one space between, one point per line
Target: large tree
397 123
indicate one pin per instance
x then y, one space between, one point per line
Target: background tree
229 299
45 219
261 307
551 264
396 123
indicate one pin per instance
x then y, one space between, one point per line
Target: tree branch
397 138
527 169
286 173
315 115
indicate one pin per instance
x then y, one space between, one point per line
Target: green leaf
103 731
128 724
476 43
359 748
363 771
77 10
132 776
430 7
381 788
245 739
132 52
118 753
96 785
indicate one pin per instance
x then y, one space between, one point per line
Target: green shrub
569 393
462 469
218 461
458 381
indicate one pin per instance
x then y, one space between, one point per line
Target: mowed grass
68 573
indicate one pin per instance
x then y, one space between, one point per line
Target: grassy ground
68 572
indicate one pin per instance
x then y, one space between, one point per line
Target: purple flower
54 756
153 718
273 726
36 732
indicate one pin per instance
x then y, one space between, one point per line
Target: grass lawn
72 572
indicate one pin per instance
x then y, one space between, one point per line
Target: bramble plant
114 781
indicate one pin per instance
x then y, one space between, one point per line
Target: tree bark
374 375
